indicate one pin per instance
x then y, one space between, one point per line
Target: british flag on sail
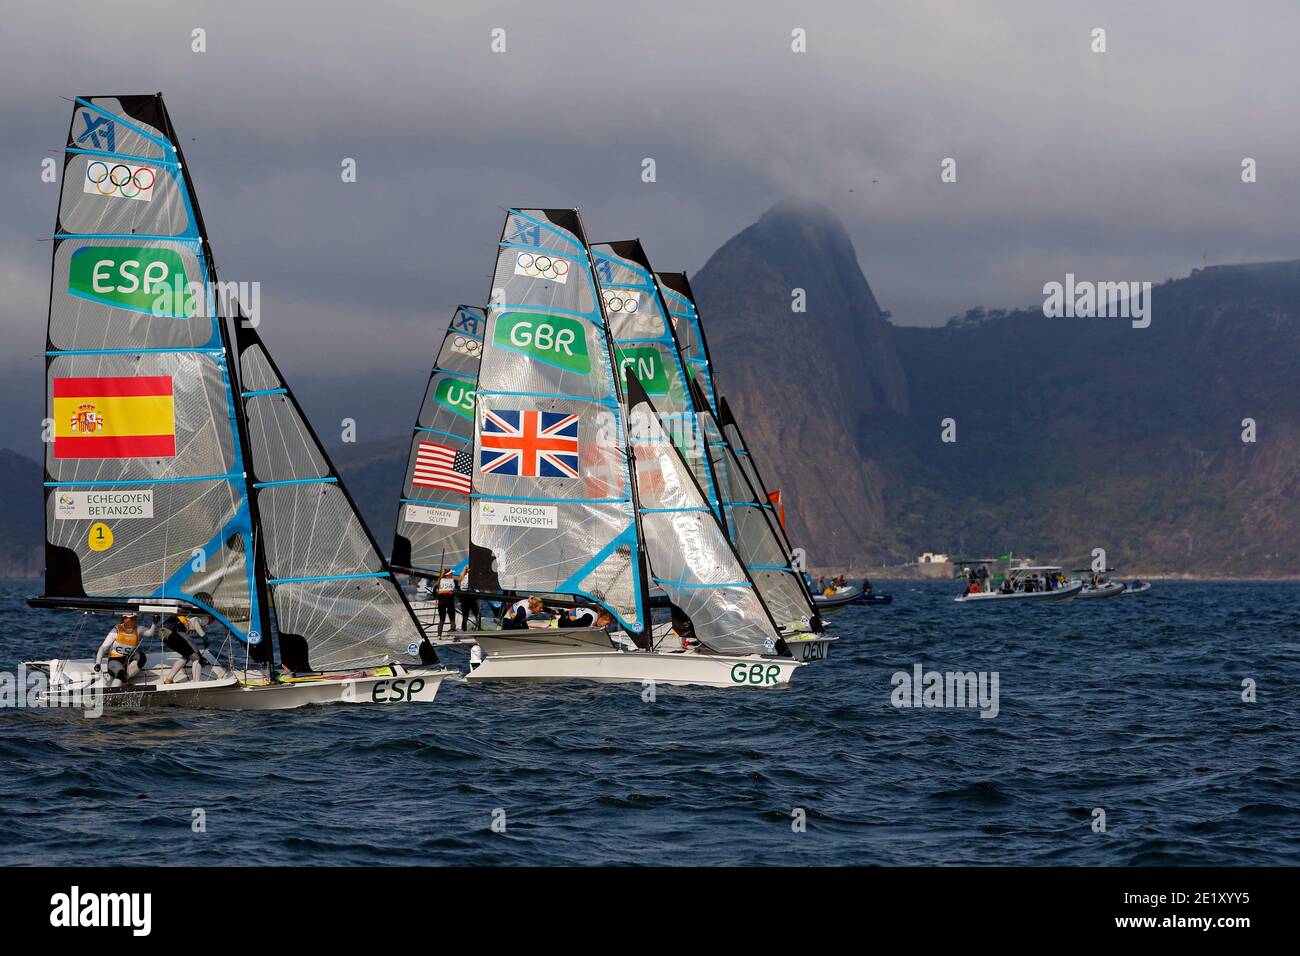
526 443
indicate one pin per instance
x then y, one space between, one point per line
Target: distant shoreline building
934 564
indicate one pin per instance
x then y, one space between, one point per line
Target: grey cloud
1122 165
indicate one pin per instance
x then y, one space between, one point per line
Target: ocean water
1132 705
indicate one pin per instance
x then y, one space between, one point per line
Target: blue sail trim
180 238
88 483
205 350
264 391
570 586
171 164
439 431
507 308
698 587
543 251
655 511
550 501
241 523
328 577
295 481
607 402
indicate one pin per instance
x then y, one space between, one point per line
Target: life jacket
125 643
446 584
584 616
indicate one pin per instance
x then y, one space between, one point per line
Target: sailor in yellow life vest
122 645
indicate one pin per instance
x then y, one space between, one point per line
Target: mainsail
145 490
680 300
336 603
689 555
736 439
553 501
644 340
433 517
749 515
758 538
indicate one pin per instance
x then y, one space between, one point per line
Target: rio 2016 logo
755 674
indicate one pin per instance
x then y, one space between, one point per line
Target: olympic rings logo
119 179
465 345
537 266
621 300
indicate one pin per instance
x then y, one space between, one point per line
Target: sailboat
747 513
182 477
432 531
579 493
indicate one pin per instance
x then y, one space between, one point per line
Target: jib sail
336 603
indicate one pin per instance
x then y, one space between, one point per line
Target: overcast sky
1122 165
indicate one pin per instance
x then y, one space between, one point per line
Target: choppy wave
1130 706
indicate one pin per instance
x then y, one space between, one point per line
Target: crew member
468 603
587 617
175 630
446 600
516 618
122 645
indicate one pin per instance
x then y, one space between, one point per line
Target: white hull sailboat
588 655
183 479
580 489
76 682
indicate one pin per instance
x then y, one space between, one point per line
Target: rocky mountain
1071 433
805 357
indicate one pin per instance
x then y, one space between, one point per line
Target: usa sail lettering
757 674
400 692
457 395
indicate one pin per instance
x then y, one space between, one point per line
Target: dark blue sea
1132 705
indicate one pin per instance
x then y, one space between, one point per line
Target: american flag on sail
529 444
441 466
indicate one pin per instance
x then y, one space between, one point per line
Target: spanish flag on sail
131 417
